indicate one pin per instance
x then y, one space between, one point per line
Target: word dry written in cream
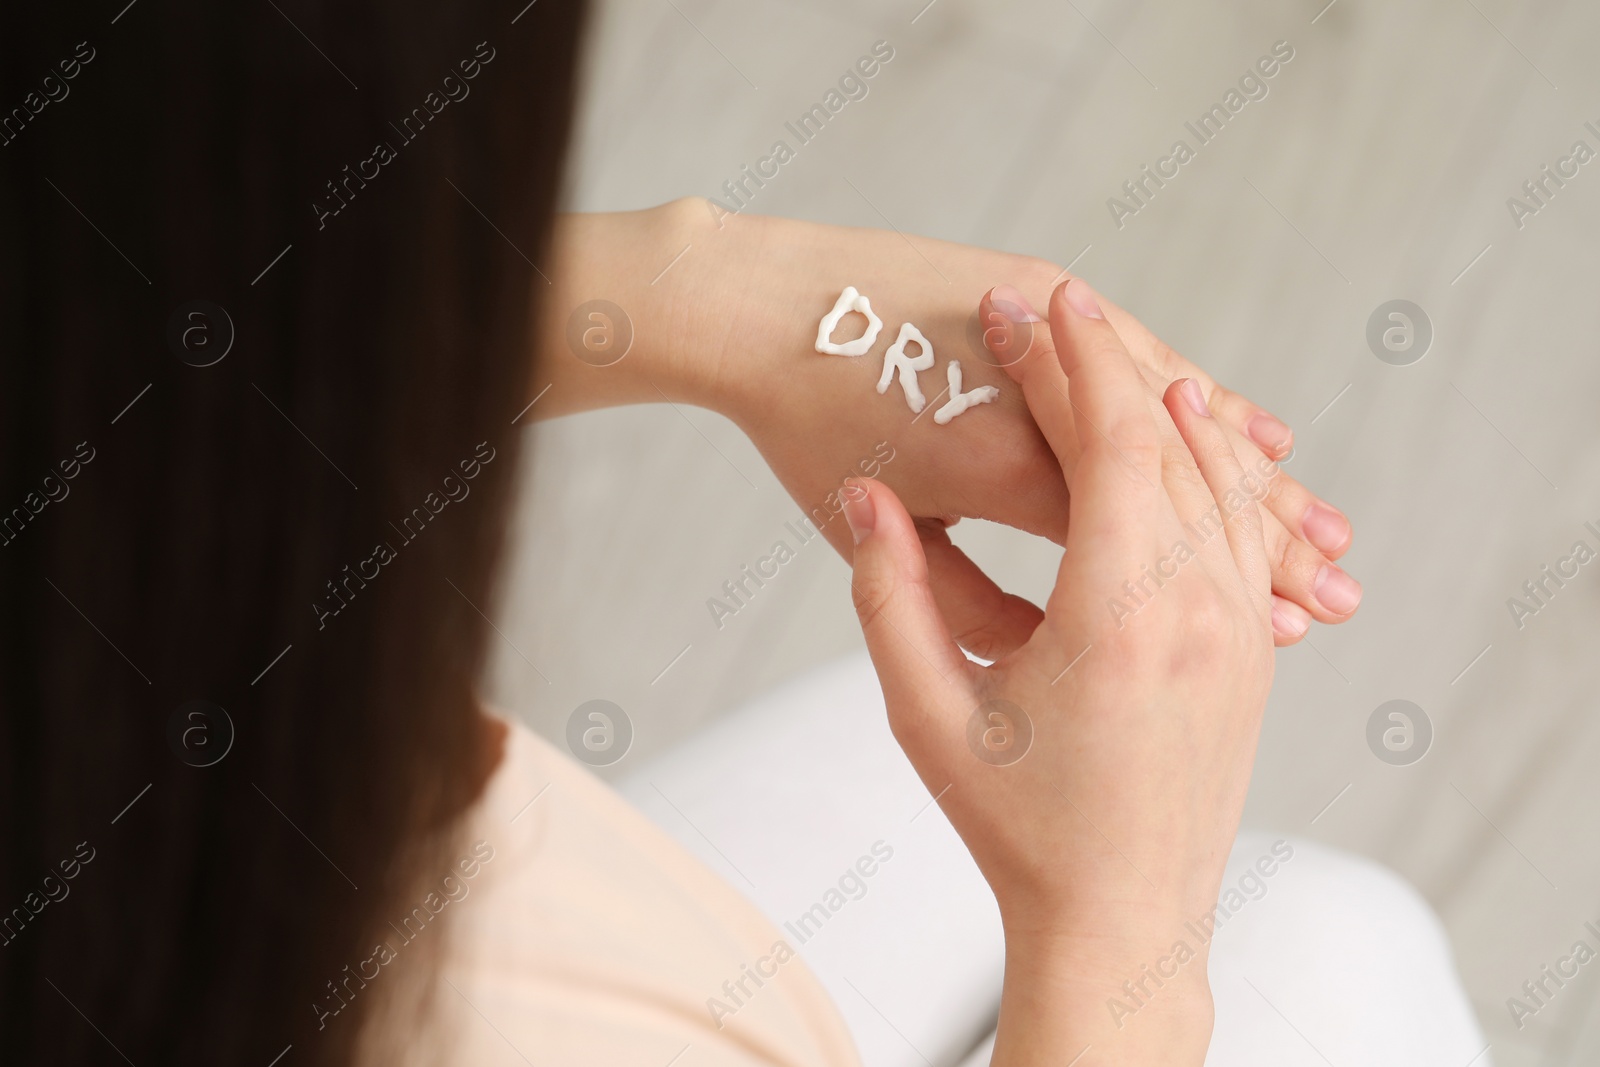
849 300
959 401
895 360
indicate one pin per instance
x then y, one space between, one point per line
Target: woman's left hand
731 325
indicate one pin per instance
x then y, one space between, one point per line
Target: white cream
896 360
849 300
959 401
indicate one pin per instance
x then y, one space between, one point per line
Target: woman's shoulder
595 938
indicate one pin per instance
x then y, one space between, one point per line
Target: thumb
911 646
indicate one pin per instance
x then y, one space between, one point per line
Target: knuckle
1134 429
1297 564
1041 347
1039 357
1248 517
1177 465
1175 451
1248 524
1280 554
1105 349
1216 638
1128 646
1192 633
1207 620
1131 441
869 595
1214 448
1278 490
1227 404
1213 460
1165 359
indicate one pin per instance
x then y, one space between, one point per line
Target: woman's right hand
1098 772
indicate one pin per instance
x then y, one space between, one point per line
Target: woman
267 277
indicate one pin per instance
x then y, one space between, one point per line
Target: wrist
632 312
1138 995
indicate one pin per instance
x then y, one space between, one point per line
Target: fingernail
1325 528
1337 591
1269 433
1012 304
1289 620
1081 299
1197 399
859 511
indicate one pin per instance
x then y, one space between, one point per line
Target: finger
1302 574
1163 364
1294 508
1303 514
911 646
1120 510
1233 490
1255 432
1303 532
1289 622
1293 513
1269 432
1010 324
1111 417
1021 343
986 621
1037 360
1258 438
1028 353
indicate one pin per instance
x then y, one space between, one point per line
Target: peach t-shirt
591 938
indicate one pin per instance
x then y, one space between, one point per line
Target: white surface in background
1316 957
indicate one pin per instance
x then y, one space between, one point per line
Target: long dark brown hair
265 283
